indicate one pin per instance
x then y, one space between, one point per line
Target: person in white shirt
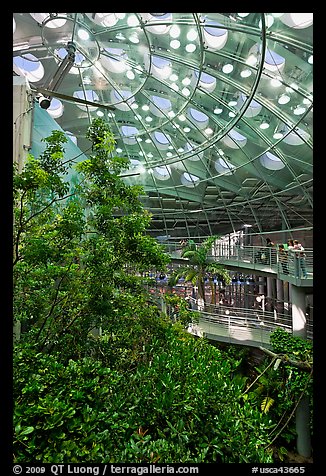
300 258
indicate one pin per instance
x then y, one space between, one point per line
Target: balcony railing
261 258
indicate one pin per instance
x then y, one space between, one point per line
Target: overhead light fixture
186 81
227 68
185 91
174 31
83 34
130 74
277 135
264 125
175 44
299 110
275 82
307 100
190 47
252 60
245 73
283 99
132 21
192 35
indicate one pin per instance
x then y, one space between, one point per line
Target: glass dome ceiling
214 110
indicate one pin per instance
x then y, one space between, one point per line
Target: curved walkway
250 327
261 260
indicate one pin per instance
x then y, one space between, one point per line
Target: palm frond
207 244
219 271
192 275
177 274
192 255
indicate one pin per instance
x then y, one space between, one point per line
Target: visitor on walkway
300 260
283 258
271 244
293 265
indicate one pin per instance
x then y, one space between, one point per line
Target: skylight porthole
122 95
206 81
162 173
297 20
28 66
223 166
56 108
273 62
296 138
189 180
160 106
215 37
104 19
161 140
234 139
198 117
116 62
189 147
129 134
253 109
162 18
271 161
90 96
160 68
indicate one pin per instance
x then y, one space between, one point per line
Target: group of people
297 256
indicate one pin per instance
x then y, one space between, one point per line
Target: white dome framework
216 109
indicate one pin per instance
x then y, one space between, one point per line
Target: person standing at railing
271 244
292 259
283 258
300 259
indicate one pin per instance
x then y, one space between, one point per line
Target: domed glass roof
214 110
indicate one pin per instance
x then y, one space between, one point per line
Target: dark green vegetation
142 389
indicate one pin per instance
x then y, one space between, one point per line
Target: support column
280 295
302 415
302 425
298 299
269 292
22 137
286 287
261 285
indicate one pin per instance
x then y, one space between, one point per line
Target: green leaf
27 431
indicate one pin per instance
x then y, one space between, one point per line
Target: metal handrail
264 257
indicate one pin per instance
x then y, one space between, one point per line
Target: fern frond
266 404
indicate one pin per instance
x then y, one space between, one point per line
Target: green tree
73 245
200 266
